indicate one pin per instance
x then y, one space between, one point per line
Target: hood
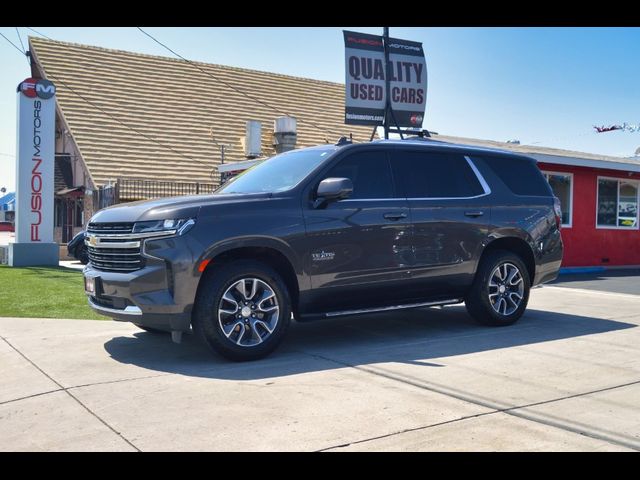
169 208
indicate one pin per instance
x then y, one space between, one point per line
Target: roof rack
411 134
418 133
344 141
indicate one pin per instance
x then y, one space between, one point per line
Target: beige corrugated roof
174 103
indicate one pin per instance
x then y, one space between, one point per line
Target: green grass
43 292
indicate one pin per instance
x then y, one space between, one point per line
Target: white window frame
618 180
550 172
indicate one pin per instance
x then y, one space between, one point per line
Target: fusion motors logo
37 87
416 119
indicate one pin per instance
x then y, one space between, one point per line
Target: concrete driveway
566 377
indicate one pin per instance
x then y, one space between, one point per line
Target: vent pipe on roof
285 134
252 141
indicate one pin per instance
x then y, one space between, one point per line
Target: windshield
278 173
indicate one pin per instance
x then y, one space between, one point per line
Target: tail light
558 211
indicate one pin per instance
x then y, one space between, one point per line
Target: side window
521 176
369 172
435 175
617 203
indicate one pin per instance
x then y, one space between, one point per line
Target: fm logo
37 87
416 119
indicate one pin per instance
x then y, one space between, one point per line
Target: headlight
170 226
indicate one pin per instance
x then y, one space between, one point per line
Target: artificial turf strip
49 292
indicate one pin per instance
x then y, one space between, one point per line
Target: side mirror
333 189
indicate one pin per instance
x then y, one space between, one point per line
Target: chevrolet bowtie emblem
93 240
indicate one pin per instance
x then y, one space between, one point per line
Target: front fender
255 241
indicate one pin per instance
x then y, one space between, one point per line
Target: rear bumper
549 259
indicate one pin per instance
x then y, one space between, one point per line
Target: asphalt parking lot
619 281
566 377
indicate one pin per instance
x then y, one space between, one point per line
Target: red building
599 196
600 211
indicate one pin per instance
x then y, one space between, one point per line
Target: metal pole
387 82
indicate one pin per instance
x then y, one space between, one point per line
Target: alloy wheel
248 312
506 288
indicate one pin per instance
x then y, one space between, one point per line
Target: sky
543 86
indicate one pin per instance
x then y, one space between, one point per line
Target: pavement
72 264
566 377
624 280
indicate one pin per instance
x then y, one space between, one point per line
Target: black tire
478 303
151 329
205 314
83 255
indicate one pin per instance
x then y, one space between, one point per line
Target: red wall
584 245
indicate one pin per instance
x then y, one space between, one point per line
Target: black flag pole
387 81
388 111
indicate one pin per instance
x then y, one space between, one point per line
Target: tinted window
435 175
369 172
521 176
278 173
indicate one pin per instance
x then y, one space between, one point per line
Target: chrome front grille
110 228
115 259
112 247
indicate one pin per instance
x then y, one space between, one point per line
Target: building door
358 247
68 219
450 216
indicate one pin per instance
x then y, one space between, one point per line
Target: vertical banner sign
365 97
35 161
408 77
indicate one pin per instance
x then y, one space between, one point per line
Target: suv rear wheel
500 291
243 310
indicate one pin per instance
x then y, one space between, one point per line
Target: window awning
71 192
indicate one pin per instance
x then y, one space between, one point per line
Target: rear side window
521 176
369 172
435 175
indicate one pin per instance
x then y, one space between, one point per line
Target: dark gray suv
329 231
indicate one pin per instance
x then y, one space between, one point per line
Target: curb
571 270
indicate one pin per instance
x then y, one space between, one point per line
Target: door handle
395 216
474 214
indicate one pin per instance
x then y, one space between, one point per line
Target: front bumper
159 295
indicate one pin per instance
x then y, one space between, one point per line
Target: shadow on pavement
412 337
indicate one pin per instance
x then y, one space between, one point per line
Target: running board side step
394 307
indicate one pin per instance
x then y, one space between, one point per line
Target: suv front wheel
500 291
243 310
